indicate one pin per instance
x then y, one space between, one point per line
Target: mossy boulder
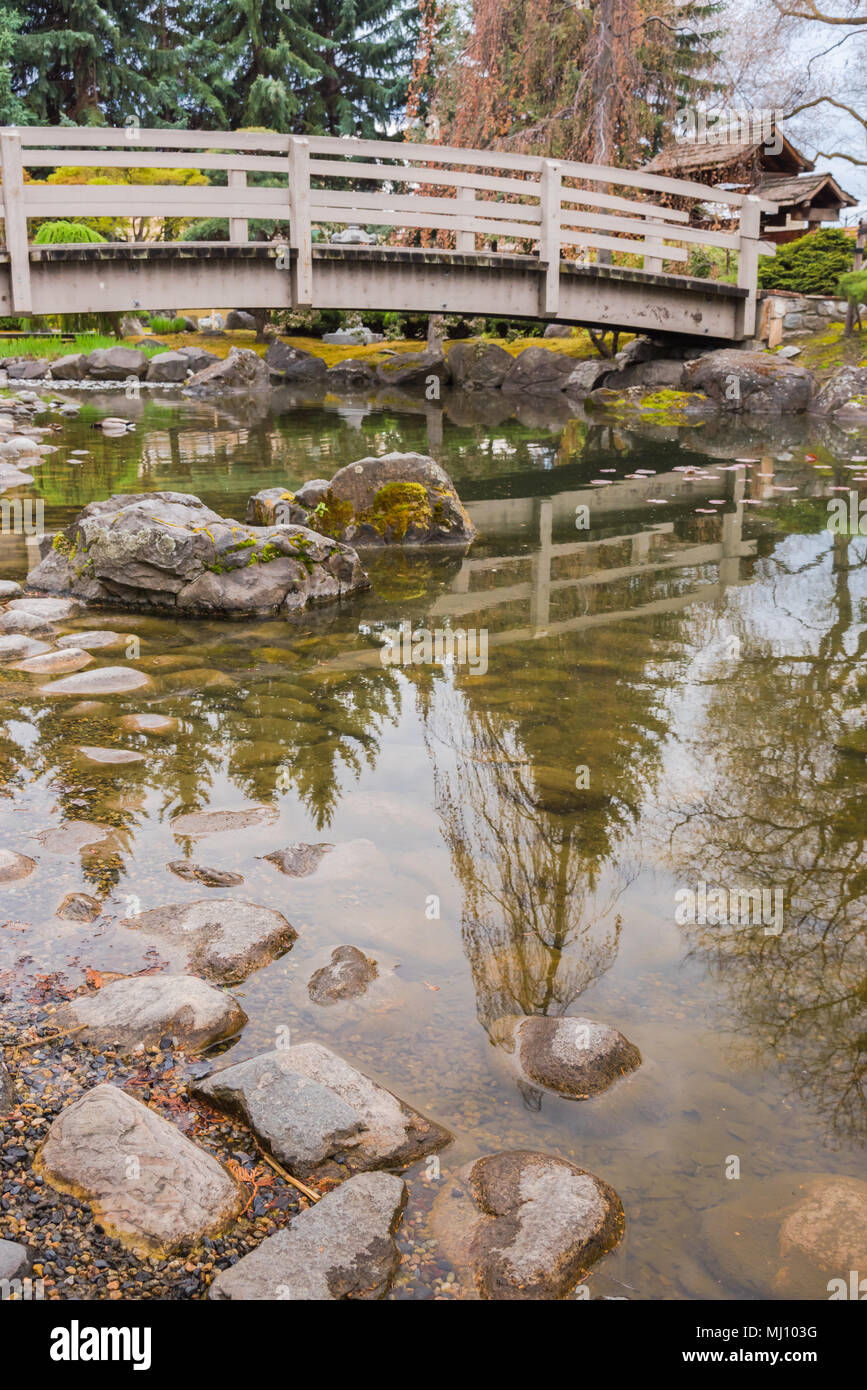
757 383
414 370
398 499
844 394
168 551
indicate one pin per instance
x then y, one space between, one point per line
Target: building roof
815 188
690 156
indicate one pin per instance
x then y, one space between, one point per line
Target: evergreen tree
12 109
367 52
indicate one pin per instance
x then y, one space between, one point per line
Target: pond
672 694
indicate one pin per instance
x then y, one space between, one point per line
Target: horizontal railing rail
463 200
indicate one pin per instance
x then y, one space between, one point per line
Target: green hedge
811 265
53 233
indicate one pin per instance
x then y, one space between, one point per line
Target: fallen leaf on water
427 985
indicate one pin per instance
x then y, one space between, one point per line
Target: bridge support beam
748 262
15 221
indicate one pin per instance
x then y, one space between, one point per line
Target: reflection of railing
474 196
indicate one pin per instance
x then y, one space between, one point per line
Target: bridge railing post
239 227
15 222
299 221
749 236
549 237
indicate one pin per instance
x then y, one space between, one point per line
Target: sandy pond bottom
702 660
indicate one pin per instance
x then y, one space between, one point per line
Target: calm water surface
703 660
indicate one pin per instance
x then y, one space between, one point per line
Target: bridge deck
206 275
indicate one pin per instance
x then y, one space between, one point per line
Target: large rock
414 370
167 550
54 663
573 1056
663 372
404 499
844 393
347 974
51 609
789 1237
101 680
223 939
115 363
138 1012
147 1184
343 1247
15 646
291 364
539 371
479 366
755 382
16 1260
274 506
313 1111
353 374
526 1225
71 367
239 318
198 358
586 376
168 366
242 370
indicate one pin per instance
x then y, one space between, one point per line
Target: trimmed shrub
64 233
811 265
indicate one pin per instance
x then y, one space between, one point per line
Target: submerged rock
298 861
71 837
51 663
149 723
15 866
526 1225
168 551
341 1248
16 645
573 1056
313 1111
138 1012
109 757
93 641
199 873
147 1184
195 824
223 939
348 974
397 499
79 907
102 680
790 1237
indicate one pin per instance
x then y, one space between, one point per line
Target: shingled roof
692 156
790 192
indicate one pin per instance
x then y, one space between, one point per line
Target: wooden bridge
501 234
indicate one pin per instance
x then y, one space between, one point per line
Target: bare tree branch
810 10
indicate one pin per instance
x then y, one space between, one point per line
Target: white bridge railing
476 196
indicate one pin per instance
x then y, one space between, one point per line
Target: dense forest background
594 79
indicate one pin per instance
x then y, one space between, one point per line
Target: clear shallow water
705 666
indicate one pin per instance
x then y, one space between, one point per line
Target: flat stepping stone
71 837
149 723
48 663
341 1248
21 620
198 823
17 646
139 1012
15 866
526 1225
109 756
575 1057
104 680
200 873
312 1110
79 907
9 589
347 975
147 1184
53 609
223 939
93 641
